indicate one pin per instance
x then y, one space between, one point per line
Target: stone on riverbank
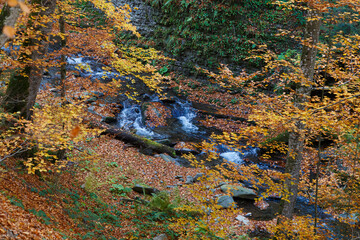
189 180
198 176
226 202
239 191
161 237
243 219
167 158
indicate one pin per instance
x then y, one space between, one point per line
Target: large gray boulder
155 114
189 180
226 201
239 191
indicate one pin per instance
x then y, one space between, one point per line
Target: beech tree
303 88
24 83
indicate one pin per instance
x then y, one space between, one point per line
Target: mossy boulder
144 189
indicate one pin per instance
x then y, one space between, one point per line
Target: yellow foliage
54 128
301 228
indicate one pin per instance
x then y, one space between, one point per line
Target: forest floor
92 197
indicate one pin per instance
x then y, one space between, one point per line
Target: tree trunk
297 135
63 58
135 139
24 85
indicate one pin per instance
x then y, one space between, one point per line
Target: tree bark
297 135
24 84
63 59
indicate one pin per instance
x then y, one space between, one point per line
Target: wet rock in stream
155 114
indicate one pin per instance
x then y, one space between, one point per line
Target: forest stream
182 125
179 119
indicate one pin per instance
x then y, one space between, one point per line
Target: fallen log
134 139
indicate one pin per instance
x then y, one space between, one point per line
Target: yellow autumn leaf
9 31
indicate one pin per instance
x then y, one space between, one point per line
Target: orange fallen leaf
75 132
12 3
24 8
9 31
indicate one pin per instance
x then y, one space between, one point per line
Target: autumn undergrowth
95 217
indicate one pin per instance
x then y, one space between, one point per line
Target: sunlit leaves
301 228
24 7
9 31
54 129
12 3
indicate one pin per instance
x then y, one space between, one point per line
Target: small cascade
74 60
88 67
130 118
183 111
236 155
78 63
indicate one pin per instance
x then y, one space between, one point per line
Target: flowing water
88 67
181 125
185 113
130 118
